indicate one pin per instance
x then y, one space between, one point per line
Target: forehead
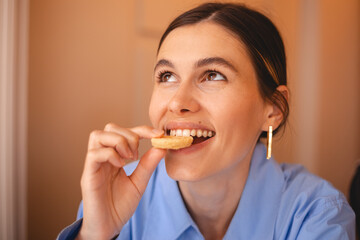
202 40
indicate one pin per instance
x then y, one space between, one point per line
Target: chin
182 170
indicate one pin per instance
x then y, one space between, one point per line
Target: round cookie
171 142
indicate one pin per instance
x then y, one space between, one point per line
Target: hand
110 197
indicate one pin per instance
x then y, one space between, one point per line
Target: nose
183 101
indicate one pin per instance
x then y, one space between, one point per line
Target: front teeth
185 133
192 132
179 132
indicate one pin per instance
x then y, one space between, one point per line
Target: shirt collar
255 215
257 211
167 213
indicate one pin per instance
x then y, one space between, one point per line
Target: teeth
204 133
192 132
179 132
186 133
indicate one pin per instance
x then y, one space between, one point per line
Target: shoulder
298 181
310 206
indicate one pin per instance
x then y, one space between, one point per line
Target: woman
221 69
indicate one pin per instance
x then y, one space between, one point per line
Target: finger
147 132
96 157
133 135
99 139
132 138
135 132
147 164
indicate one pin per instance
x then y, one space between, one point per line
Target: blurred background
71 66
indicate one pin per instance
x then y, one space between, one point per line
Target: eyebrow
215 60
200 63
163 62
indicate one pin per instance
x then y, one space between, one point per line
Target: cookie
171 142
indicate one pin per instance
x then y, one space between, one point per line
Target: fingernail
158 131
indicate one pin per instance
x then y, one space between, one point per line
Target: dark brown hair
260 36
354 198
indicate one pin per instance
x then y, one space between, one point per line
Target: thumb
147 164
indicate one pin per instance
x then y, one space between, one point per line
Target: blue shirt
278 202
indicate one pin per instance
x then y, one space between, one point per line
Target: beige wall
340 88
79 80
90 63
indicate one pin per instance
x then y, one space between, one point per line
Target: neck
213 201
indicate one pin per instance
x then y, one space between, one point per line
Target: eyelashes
208 76
213 75
163 76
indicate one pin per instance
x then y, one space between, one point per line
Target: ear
273 114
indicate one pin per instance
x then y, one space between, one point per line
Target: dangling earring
269 142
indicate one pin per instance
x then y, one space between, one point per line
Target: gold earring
269 143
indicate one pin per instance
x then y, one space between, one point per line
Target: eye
166 77
214 76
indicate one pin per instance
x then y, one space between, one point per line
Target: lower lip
192 148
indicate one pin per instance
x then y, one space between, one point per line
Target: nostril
184 110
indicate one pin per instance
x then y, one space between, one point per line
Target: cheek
241 115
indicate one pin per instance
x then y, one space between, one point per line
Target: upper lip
186 125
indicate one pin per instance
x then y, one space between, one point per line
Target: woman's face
204 80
